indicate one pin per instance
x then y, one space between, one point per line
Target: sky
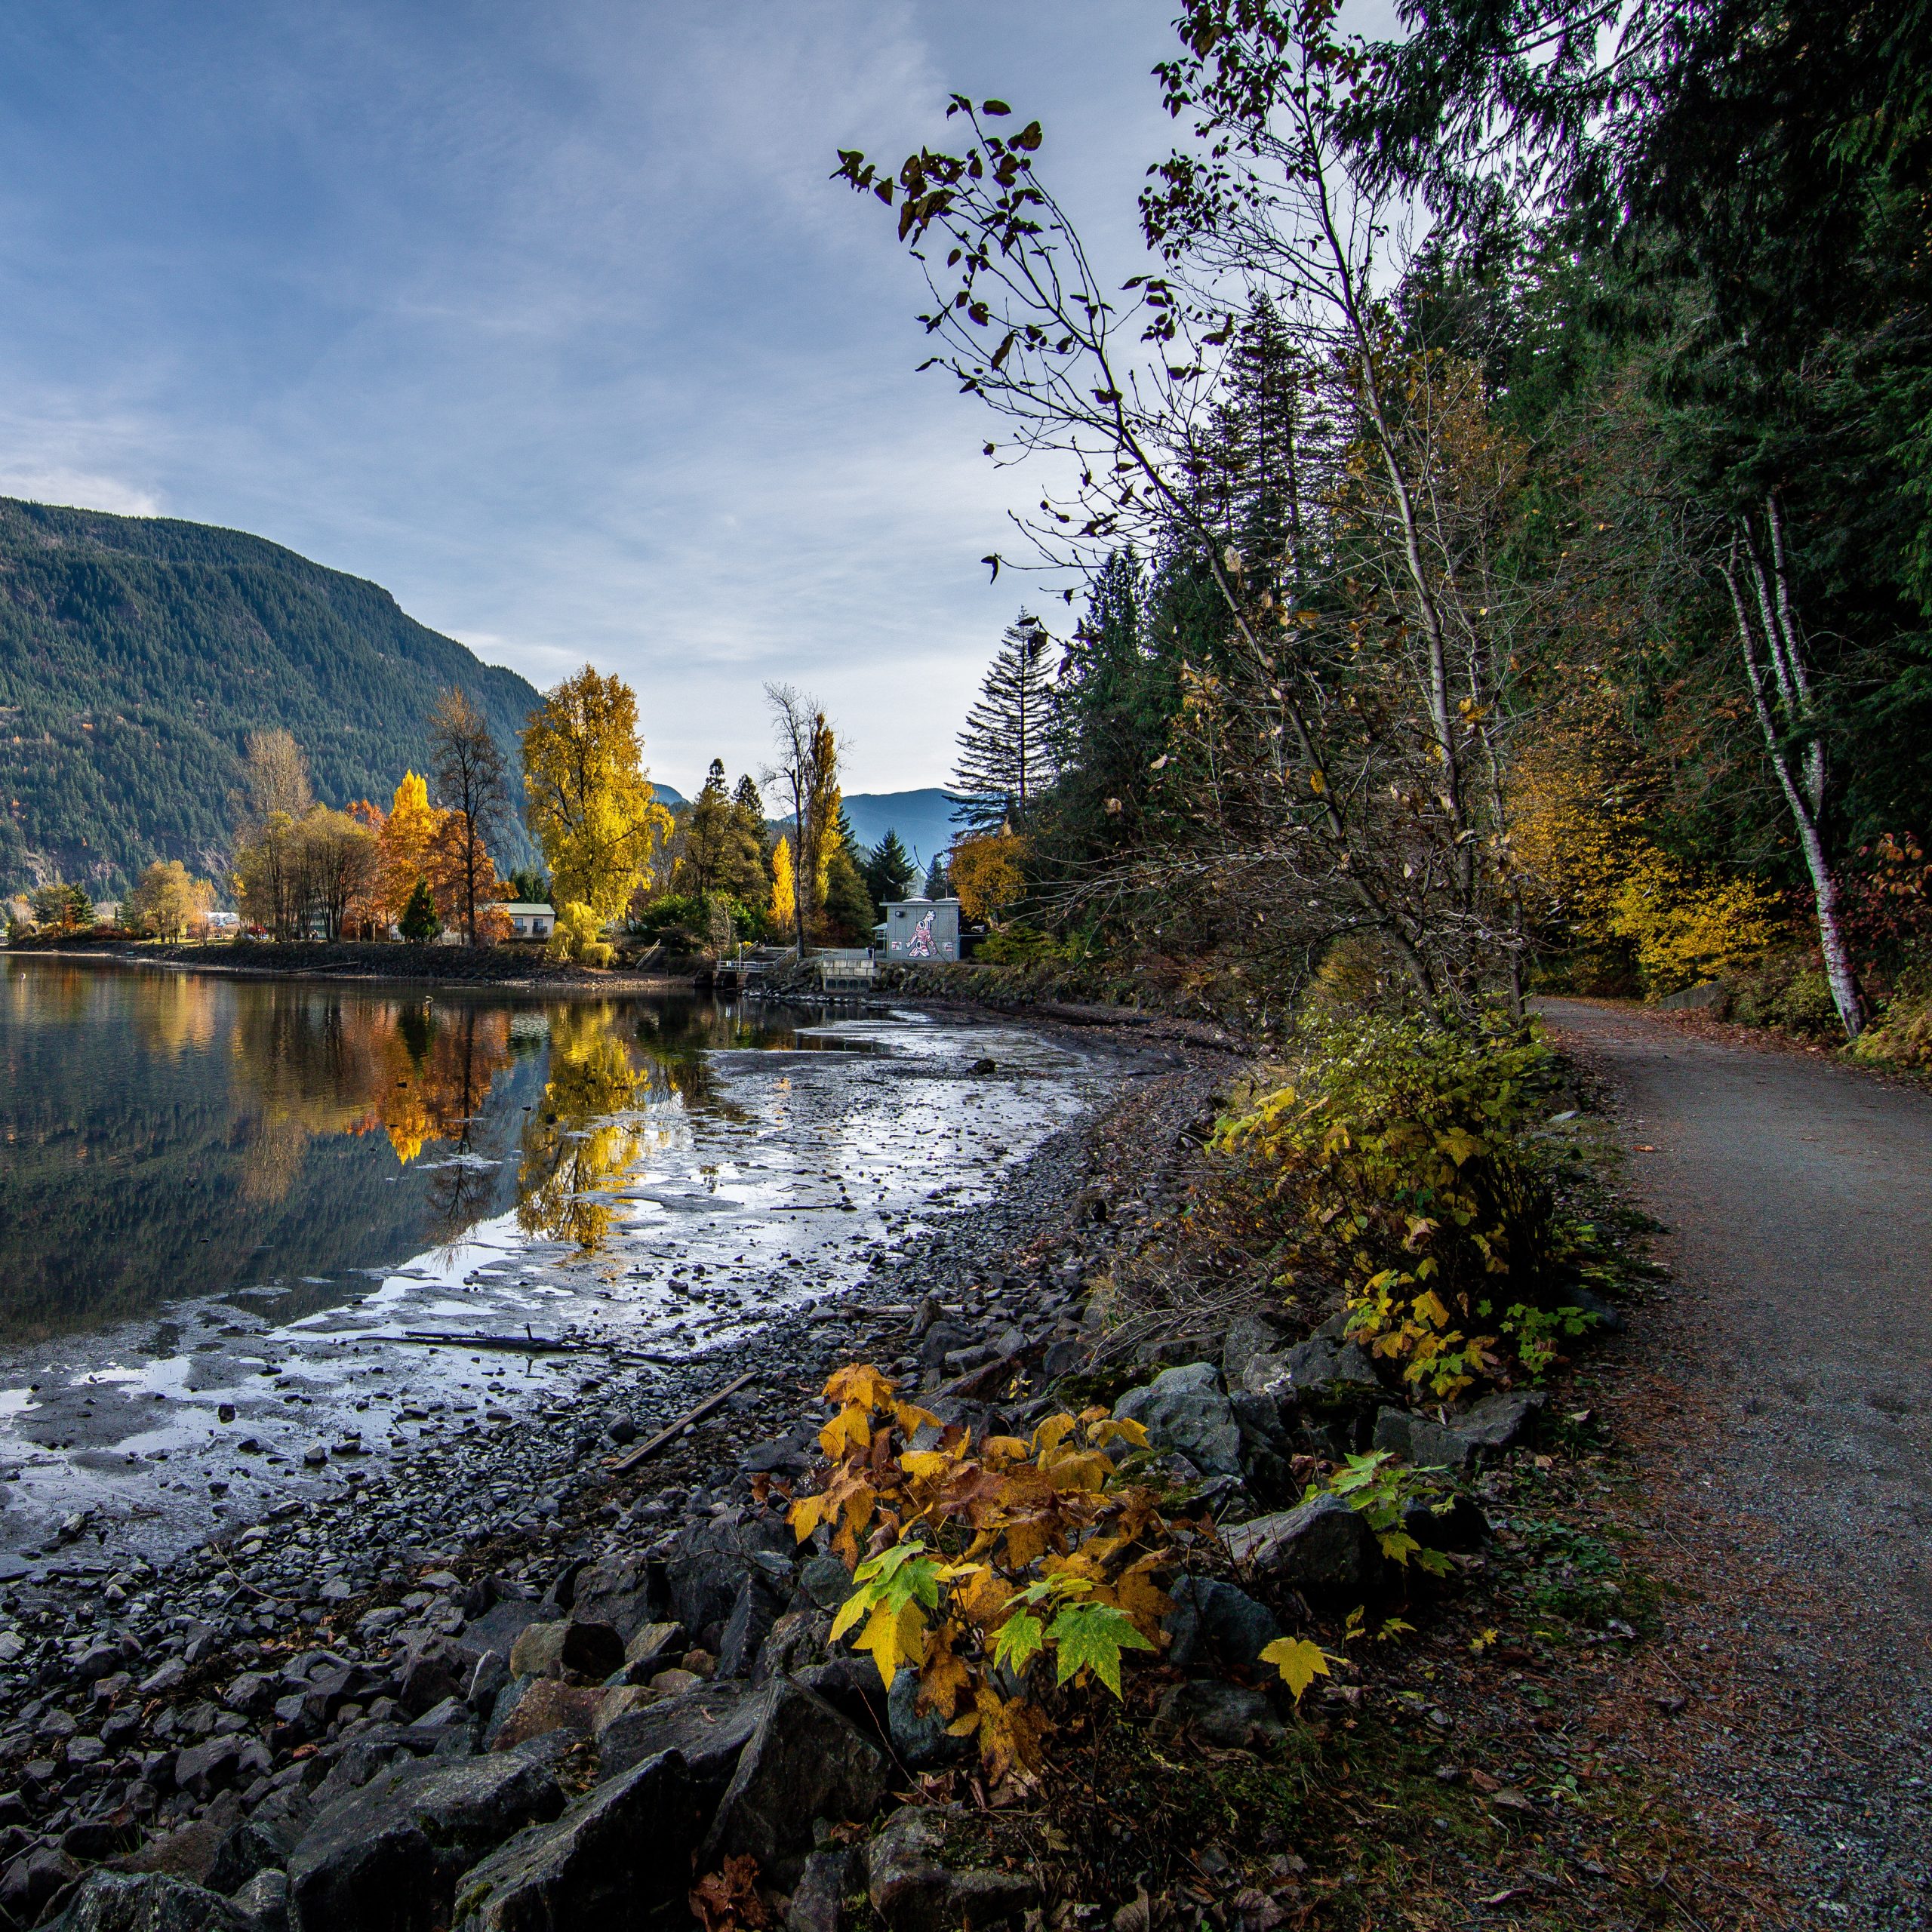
549 320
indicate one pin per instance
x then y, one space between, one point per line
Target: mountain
923 820
136 654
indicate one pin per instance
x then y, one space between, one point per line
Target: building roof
528 907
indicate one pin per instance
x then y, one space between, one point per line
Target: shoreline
476 1524
553 979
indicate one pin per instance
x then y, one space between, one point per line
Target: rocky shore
558 1672
201 1725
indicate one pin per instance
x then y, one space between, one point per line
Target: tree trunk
1804 799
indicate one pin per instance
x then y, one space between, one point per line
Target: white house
528 919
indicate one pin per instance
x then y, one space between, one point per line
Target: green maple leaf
1019 1641
1091 1636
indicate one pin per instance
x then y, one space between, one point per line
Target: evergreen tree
419 921
1005 758
938 885
528 886
888 869
849 910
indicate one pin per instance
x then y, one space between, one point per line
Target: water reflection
166 1134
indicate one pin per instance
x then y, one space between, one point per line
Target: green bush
1398 1163
1786 991
1022 945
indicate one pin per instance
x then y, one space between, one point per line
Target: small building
922 928
528 919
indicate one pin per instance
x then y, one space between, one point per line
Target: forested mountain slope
138 652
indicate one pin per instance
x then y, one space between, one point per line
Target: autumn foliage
985 1564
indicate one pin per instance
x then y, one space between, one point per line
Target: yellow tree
985 872
782 909
166 902
408 836
590 805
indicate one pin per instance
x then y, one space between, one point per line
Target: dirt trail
1784 1398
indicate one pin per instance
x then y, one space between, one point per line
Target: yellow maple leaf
1300 1661
862 1383
851 1428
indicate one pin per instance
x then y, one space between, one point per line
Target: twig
631 1457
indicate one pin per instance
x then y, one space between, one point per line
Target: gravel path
1782 1399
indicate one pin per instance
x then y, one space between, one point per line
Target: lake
205 1179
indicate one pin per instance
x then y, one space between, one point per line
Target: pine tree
938 885
419 921
888 869
1005 758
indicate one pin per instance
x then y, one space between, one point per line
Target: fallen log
630 1459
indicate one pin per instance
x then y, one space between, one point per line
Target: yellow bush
579 935
1686 929
985 872
1902 1036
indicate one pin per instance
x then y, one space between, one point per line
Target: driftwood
631 1458
534 1345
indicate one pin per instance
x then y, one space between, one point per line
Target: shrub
1902 1035
1688 929
1022 945
578 934
989 1559
1787 990
1397 1163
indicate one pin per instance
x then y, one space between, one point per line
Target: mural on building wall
920 945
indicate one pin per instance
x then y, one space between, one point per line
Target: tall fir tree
1005 760
888 869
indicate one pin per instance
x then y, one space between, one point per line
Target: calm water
226 1206
164 1134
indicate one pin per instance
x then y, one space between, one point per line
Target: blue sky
548 319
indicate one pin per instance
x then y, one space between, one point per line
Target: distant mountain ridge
923 820
136 654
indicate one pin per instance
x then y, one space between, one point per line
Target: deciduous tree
467 765
590 801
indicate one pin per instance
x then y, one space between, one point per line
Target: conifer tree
1005 759
938 885
888 869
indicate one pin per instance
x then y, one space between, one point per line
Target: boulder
818 1899
803 1762
431 1671
1320 1545
759 1605
1211 1622
389 1857
1186 1409
1463 1439
652 1646
796 1642
1229 1715
1250 1336
500 1626
546 1704
920 1740
1324 1374
609 1860
582 1648
917 1883
262 1904
626 1591
144 1901
1461 1527
824 1583
31 1879
706 1727
709 1564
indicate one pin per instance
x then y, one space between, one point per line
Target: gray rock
920 1740
486 1681
625 1591
32 1879
1250 1336
708 1565
262 1903
1320 1545
433 1671
1186 1409
818 1899
1229 1715
500 1626
650 1647
798 1640
1213 1623
917 1885
760 1603
1465 1439
610 1859
804 1761
706 1727
1323 1373
825 1582
144 1901
389 1855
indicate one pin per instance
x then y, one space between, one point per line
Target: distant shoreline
484 969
